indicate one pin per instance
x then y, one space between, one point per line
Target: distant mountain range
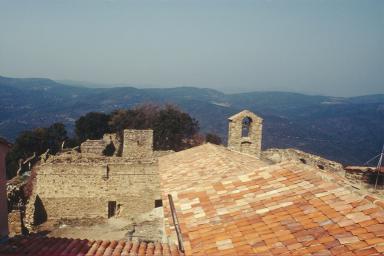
348 130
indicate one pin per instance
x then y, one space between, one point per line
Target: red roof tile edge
42 245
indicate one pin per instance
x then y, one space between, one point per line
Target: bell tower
244 133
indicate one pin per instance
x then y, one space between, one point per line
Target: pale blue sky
331 47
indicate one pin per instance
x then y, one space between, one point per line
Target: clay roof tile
230 203
41 245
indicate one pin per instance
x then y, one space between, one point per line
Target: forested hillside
348 130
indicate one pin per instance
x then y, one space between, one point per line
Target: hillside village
207 200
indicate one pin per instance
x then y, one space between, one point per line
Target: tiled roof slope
228 203
36 245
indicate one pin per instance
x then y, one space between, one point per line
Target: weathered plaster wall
82 187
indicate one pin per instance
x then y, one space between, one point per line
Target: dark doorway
111 208
158 203
40 214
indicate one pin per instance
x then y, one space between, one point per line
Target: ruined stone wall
117 140
138 143
359 176
128 143
93 147
250 144
82 188
279 155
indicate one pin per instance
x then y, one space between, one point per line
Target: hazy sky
331 47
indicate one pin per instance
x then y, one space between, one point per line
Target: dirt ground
147 227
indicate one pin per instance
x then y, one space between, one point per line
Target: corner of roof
343 182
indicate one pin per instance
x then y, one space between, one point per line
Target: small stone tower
138 143
244 133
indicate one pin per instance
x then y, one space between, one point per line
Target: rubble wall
93 147
279 155
363 177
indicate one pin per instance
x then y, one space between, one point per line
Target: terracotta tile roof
36 245
228 203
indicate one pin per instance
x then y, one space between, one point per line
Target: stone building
4 148
216 200
87 185
244 133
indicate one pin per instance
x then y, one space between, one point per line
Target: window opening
246 124
111 209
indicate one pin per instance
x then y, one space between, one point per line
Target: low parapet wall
279 155
93 147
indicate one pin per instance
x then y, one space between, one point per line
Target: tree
173 129
35 141
140 117
56 134
92 126
213 138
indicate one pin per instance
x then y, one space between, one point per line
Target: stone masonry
83 188
138 143
249 143
74 185
276 155
93 147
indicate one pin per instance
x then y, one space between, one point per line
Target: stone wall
128 143
93 147
360 175
279 155
81 187
138 143
251 142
